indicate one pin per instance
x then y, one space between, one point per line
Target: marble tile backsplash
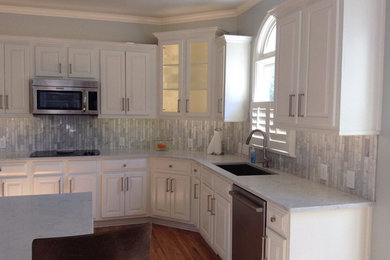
338 153
80 132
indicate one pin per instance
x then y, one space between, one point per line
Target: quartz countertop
290 192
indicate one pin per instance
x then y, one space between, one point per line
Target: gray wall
30 25
381 226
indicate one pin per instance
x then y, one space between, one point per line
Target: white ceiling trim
129 18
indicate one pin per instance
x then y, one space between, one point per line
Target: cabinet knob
273 219
124 165
170 166
0 169
195 170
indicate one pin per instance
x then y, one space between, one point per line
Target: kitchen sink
243 169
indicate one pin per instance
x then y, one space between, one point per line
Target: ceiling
154 11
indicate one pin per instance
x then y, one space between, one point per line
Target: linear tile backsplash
338 153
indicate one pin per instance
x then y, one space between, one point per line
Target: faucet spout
266 160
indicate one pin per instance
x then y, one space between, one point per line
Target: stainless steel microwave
64 96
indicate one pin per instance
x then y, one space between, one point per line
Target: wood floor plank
175 244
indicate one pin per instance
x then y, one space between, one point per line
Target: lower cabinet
84 182
170 195
48 184
14 186
123 193
215 215
276 246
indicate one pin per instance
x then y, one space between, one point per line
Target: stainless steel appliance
64 96
249 215
56 153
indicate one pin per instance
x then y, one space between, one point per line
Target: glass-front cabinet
186 59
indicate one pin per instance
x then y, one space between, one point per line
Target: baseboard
141 220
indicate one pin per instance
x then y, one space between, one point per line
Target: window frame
288 146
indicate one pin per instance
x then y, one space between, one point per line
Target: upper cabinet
186 71
128 80
329 63
60 61
14 78
231 99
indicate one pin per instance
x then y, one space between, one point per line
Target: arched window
262 105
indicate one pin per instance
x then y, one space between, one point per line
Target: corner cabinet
329 63
231 99
186 71
127 81
14 78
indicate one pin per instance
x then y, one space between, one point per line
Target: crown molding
213 15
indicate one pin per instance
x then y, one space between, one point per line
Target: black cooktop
60 153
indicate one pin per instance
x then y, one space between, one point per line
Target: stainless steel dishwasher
249 215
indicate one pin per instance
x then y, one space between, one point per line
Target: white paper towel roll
215 146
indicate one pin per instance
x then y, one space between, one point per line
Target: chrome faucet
266 160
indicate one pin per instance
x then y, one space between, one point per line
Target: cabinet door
15 186
135 193
180 197
171 77
50 61
195 201
2 97
17 75
276 246
316 95
222 209
113 83
83 63
138 76
48 185
84 183
198 77
112 195
206 225
160 194
220 52
287 68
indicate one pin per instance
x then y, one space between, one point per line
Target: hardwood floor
175 244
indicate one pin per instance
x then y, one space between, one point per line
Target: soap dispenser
253 155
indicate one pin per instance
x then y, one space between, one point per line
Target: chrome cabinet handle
70 185
122 182
290 97
208 202
2 188
219 106
167 184
263 241
300 105
127 183
196 196
172 183
123 104
70 68
187 101
178 105
59 186
128 104
6 102
59 67
1 101
212 206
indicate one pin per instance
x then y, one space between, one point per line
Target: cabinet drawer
171 165
120 165
195 169
82 166
222 187
13 169
207 177
277 220
48 168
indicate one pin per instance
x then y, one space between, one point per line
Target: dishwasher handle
245 201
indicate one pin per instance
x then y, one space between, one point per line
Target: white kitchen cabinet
15 186
123 194
195 191
324 79
186 71
231 97
14 78
276 246
170 195
127 80
53 60
216 213
48 177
